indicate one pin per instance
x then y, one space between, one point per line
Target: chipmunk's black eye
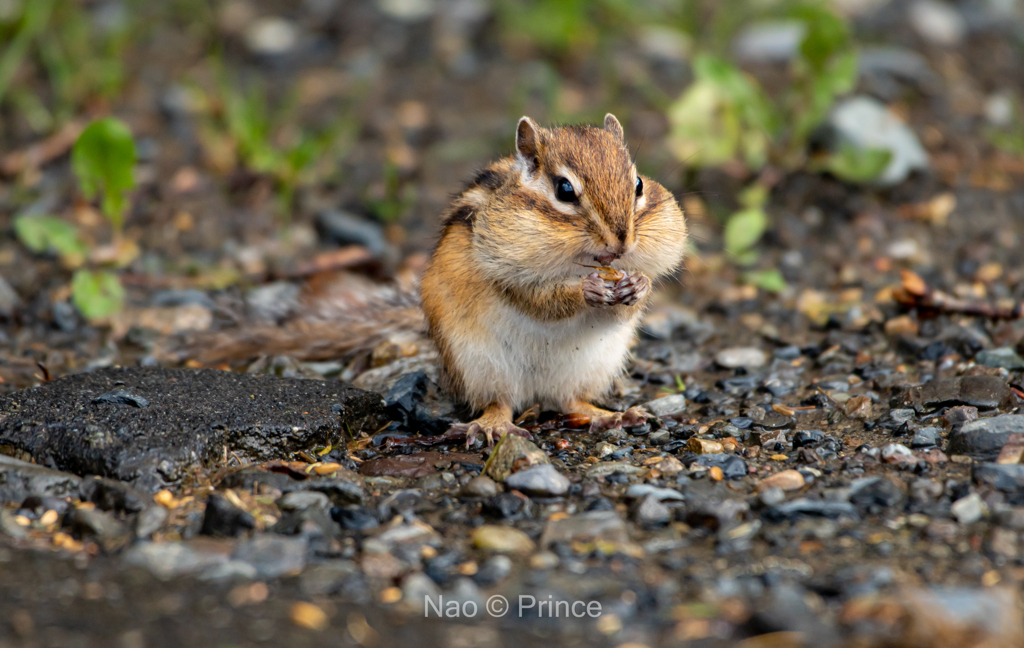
564 190
639 187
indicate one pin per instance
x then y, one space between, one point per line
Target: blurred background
237 142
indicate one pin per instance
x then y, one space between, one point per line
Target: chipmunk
509 295
510 313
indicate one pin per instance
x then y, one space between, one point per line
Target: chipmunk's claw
626 291
631 417
598 292
490 430
631 289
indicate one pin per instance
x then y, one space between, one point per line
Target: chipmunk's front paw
490 430
631 289
631 417
598 292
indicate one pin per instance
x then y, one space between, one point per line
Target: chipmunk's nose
611 253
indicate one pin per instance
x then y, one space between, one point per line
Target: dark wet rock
413 465
606 526
733 467
122 397
494 570
150 521
984 438
513 453
92 524
874 495
112 495
507 506
21 479
1004 358
273 555
807 438
399 503
539 481
416 404
355 518
715 514
804 507
225 520
302 500
342 486
983 392
666 405
1008 478
346 229
197 414
926 438
651 512
784 609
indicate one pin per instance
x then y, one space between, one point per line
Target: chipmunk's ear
528 142
612 125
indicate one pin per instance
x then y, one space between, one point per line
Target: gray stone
1003 358
480 486
191 418
9 300
649 512
342 486
865 123
969 509
767 42
984 438
19 479
593 525
606 468
539 481
302 500
746 357
271 36
97 525
274 301
672 404
169 559
273 555
512 452
938 22
638 491
417 587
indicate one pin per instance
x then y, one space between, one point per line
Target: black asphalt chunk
190 418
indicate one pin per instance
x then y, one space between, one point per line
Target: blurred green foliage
59 42
271 141
103 159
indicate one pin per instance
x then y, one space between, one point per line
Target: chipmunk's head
585 182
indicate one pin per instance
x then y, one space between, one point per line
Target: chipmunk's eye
639 187
564 190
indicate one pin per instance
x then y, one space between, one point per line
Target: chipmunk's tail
334 320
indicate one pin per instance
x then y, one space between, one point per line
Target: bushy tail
347 316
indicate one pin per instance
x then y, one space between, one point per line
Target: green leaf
857 165
49 234
770 280
97 295
103 159
743 230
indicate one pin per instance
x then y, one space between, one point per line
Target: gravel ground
838 464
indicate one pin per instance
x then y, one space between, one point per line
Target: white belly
521 361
